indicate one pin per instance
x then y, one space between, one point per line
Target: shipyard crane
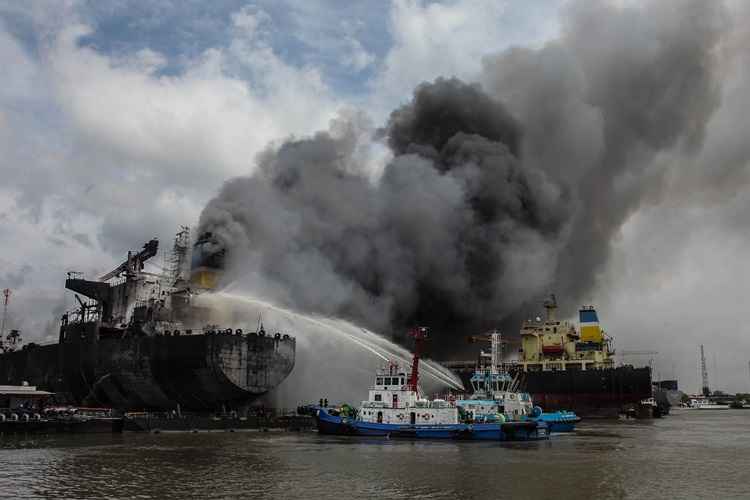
6 297
704 374
134 262
8 343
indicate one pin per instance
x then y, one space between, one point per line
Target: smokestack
208 262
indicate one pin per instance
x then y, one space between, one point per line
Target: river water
689 454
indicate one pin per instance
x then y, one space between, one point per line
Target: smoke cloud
495 193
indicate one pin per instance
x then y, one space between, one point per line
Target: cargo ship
567 368
141 340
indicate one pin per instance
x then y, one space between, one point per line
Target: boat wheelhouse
394 399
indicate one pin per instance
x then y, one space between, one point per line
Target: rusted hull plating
196 372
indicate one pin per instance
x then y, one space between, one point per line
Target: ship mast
420 334
496 346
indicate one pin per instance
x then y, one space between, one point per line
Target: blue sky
302 33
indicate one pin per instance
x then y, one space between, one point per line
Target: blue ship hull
507 431
560 421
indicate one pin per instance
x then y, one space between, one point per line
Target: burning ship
141 340
564 368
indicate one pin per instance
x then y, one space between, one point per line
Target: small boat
396 408
560 421
83 420
706 404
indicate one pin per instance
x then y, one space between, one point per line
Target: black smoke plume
494 194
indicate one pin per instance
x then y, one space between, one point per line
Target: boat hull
192 372
508 431
560 421
593 393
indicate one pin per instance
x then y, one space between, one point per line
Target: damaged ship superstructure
141 341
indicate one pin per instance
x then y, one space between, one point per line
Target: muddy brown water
689 454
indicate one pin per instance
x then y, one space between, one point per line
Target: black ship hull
215 372
595 393
604 393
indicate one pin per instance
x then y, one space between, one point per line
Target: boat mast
420 334
496 346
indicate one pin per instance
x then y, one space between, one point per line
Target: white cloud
450 39
118 153
356 57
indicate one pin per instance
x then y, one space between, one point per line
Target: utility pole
704 374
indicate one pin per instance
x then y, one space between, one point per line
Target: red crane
420 334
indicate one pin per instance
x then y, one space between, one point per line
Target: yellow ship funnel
208 262
590 329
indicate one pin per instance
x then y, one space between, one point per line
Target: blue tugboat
396 408
496 394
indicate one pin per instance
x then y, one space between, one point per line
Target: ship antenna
420 334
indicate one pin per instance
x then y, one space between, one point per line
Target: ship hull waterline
508 431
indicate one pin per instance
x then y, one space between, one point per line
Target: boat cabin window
402 380
378 397
379 381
